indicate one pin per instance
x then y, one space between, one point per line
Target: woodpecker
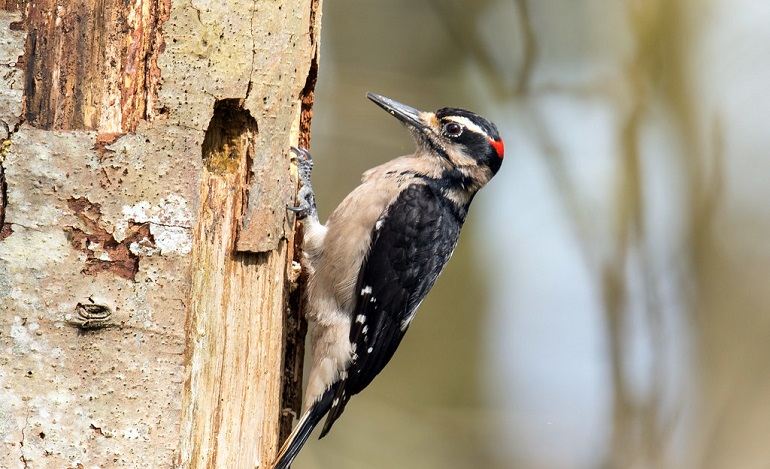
371 265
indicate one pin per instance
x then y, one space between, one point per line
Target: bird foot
305 196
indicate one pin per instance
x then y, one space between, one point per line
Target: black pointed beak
406 114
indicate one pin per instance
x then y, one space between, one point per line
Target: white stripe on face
467 123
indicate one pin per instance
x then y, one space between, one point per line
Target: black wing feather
411 243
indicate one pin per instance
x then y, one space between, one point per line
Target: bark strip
92 64
231 403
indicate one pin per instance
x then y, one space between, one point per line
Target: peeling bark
3 201
92 64
273 93
103 252
294 352
12 5
307 95
222 416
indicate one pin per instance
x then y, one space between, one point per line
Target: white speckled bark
111 222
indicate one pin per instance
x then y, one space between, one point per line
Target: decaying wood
108 50
272 95
145 251
235 330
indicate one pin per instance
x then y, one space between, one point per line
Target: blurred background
607 306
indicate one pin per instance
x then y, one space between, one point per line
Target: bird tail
302 431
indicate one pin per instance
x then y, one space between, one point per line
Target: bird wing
411 243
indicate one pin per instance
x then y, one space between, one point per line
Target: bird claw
300 211
305 195
304 164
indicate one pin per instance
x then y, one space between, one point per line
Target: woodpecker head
465 141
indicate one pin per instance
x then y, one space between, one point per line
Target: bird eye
452 129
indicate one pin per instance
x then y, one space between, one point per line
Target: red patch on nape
498 146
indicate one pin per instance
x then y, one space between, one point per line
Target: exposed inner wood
103 253
12 5
92 64
234 342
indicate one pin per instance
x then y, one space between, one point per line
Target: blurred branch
641 427
629 413
568 192
706 197
461 19
529 47
641 430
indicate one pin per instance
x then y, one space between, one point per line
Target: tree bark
146 256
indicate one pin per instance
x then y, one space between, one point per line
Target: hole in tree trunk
228 136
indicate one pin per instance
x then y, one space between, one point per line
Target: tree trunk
146 256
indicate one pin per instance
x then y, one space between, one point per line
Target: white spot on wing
366 290
365 330
369 350
361 319
378 225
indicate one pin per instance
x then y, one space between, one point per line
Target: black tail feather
338 406
302 431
